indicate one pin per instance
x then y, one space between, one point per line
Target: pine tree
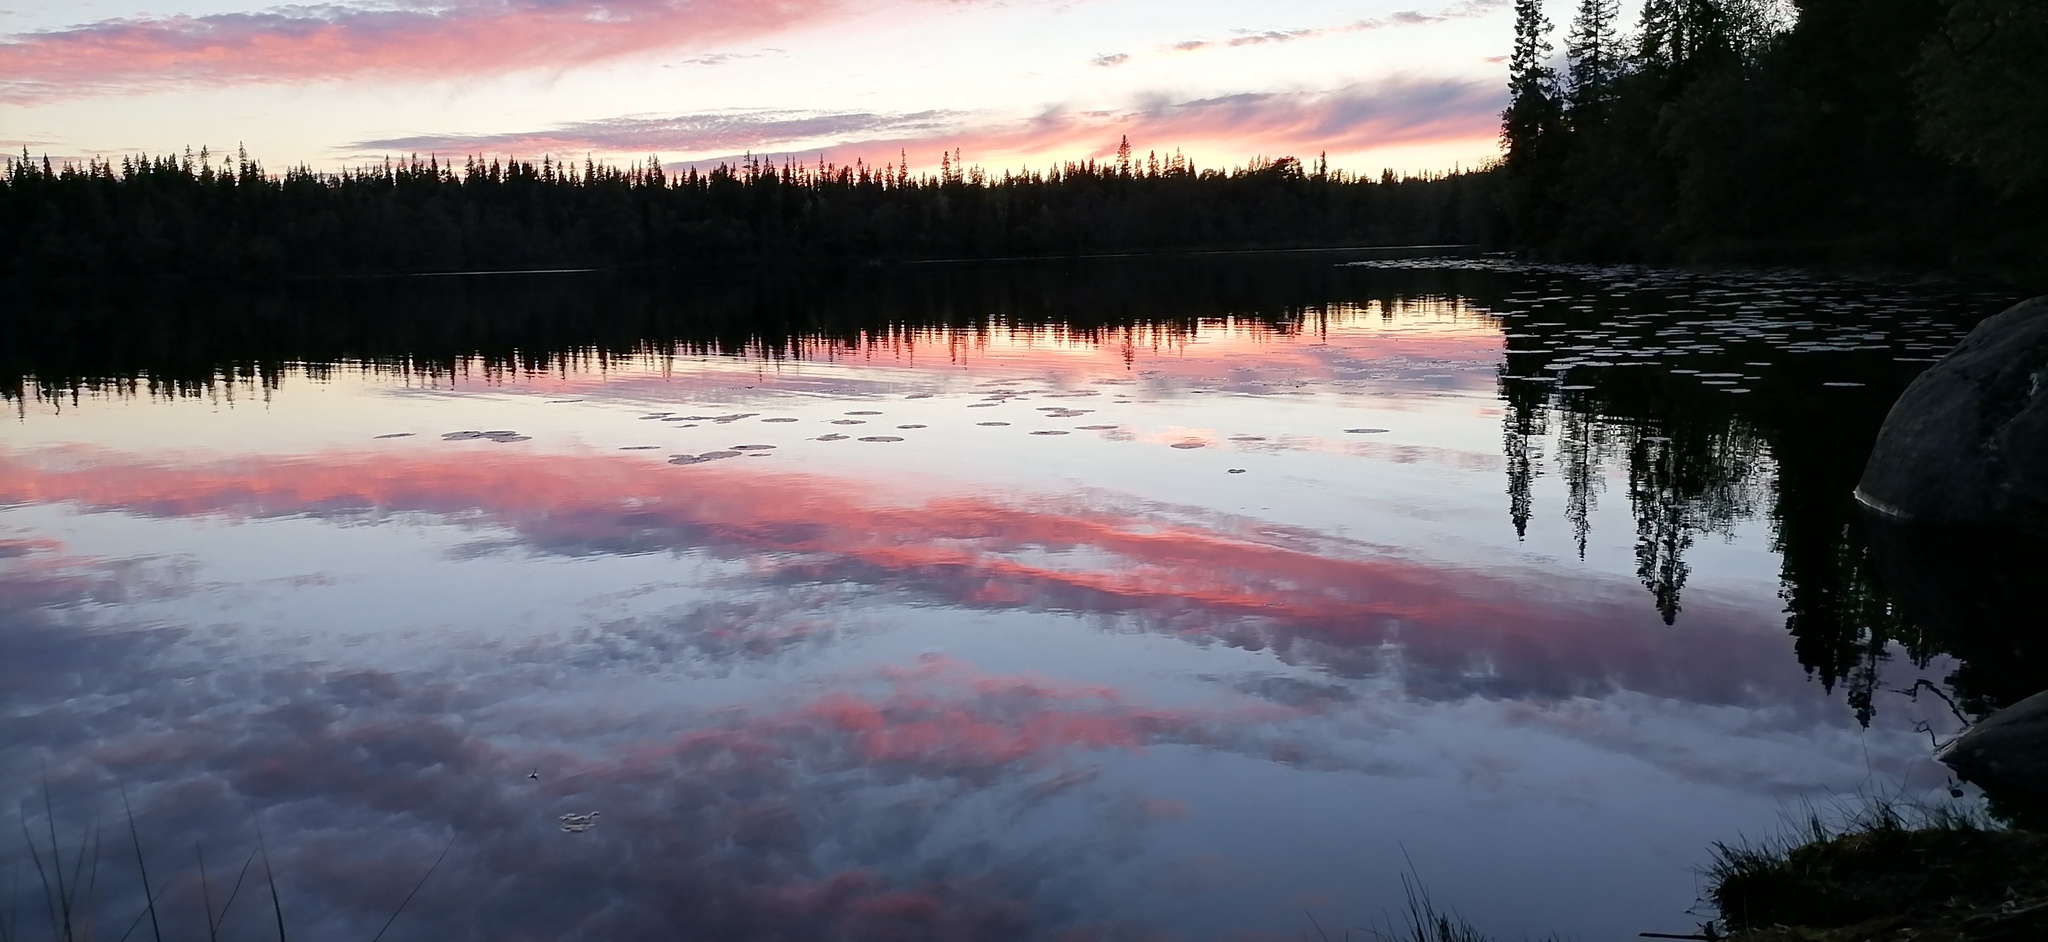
1593 54
1659 40
1676 33
1532 85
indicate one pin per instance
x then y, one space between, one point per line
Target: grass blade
73 913
36 854
206 894
137 921
415 890
270 875
236 889
7 916
135 835
57 860
92 886
1319 926
13 895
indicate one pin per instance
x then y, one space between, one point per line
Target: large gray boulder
2009 747
2006 754
1967 444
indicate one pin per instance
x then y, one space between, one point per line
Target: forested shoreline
1896 133
192 215
1909 133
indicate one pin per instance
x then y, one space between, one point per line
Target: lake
1127 598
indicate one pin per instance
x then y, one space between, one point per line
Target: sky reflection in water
1277 613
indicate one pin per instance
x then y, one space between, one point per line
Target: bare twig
1923 683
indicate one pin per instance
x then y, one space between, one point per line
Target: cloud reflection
856 807
854 815
1406 348
1447 630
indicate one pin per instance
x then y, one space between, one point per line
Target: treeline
1909 132
181 336
186 215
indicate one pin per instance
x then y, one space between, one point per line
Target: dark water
1096 600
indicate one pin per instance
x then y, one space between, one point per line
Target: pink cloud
715 131
1449 114
310 43
1349 120
1469 9
944 718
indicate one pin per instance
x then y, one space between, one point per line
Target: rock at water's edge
1967 444
2006 753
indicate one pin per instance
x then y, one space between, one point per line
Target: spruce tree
1593 54
1532 85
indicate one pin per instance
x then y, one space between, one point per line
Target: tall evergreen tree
1679 34
1532 86
1593 54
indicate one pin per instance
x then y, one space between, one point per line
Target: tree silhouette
183 215
1594 57
1893 131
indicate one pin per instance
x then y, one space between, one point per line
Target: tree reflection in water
1603 374
1700 461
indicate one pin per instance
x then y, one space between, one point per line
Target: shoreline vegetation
1883 869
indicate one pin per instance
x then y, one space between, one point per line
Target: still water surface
1054 601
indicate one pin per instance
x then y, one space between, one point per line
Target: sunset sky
1406 84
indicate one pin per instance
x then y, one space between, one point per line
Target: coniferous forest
193 214
1900 132
1907 133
